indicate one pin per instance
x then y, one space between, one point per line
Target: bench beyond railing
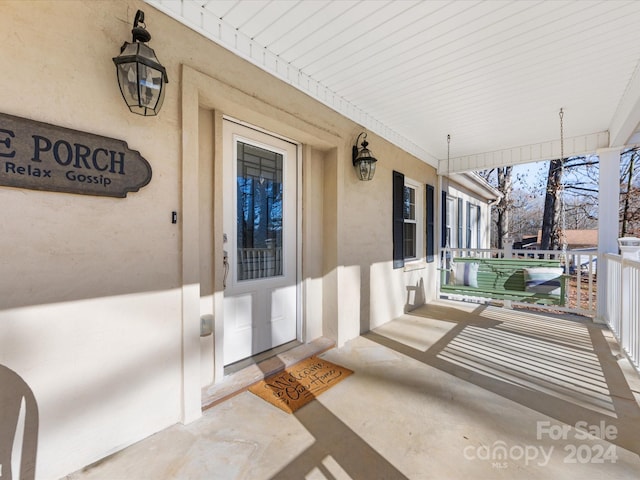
504 279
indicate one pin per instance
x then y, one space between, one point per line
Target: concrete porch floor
450 391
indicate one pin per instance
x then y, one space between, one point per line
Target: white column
608 205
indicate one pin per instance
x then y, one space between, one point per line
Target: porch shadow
17 401
337 452
559 366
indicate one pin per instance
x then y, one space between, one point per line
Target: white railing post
507 243
613 304
628 335
608 204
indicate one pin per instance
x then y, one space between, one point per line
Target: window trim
474 220
443 218
468 224
460 239
478 225
453 221
419 220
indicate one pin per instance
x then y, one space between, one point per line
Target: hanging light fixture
140 75
363 160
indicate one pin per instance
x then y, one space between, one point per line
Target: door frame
218 353
321 142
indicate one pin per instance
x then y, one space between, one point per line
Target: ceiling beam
538 152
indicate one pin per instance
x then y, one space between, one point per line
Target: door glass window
259 218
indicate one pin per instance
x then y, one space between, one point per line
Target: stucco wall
90 302
385 292
101 297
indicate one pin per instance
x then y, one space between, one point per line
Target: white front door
260 225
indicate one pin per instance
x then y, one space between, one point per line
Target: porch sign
40 156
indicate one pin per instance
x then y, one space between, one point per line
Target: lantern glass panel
366 169
141 78
372 170
149 85
127 79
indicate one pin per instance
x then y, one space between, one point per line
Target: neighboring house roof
578 237
528 240
476 184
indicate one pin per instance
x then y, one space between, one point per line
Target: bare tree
630 195
525 214
503 207
572 184
551 216
580 192
580 213
580 184
503 182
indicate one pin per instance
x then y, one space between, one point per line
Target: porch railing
622 282
622 310
580 266
255 263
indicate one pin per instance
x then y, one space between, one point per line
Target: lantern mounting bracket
140 34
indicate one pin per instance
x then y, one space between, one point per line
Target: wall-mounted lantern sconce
140 75
363 161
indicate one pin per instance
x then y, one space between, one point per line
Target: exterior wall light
363 161
140 75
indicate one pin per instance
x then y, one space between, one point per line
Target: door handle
225 263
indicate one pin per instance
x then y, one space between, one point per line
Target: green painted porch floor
449 391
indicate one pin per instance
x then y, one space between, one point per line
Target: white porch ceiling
493 74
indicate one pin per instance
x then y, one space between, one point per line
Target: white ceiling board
492 73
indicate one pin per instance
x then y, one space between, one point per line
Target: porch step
241 380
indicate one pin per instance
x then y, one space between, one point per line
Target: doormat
298 385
